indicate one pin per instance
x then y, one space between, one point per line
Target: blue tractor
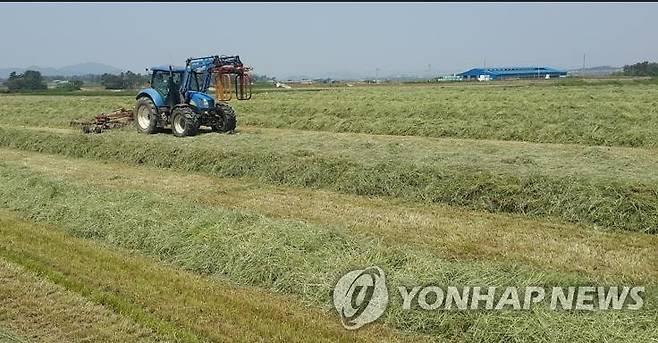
177 96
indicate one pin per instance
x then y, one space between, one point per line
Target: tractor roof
166 68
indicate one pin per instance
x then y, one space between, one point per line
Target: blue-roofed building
512 73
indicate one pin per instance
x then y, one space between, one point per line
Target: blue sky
320 38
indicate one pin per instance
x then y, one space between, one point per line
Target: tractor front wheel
146 116
226 112
184 122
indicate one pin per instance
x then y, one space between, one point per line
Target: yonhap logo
360 297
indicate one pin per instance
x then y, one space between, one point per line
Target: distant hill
75 69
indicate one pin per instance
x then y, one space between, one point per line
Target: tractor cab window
196 82
161 82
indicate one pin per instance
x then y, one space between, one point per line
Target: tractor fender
153 94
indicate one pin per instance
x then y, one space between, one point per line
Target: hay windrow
304 260
605 203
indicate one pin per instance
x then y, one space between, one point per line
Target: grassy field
243 236
610 188
620 114
600 115
142 298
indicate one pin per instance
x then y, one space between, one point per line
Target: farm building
512 72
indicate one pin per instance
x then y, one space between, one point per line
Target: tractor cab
167 82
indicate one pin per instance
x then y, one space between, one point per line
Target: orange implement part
223 86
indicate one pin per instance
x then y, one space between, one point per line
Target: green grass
613 112
132 298
304 260
64 92
603 115
46 312
447 231
7 336
56 111
611 188
281 212
607 81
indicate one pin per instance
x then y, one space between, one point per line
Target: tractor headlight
205 103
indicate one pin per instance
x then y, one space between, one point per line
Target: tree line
33 80
645 68
29 80
127 80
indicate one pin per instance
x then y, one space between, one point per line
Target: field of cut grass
611 188
447 231
242 237
56 111
47 312
304 259
601 115
622 114
157 302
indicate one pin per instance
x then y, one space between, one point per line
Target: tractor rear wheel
184 122
146 116
227 114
